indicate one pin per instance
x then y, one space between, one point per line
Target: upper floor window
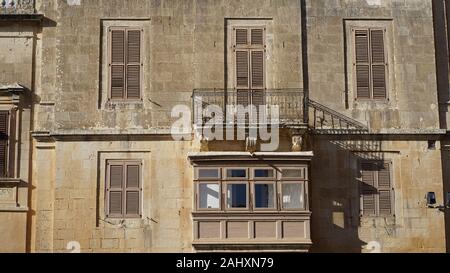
123 189
125 63
377 193
370 63
250 54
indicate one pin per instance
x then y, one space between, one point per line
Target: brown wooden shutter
12 141
369 191
133 190
242 69
257 69
378 64
241 36
385 189
257 36
115 190
133 64
117 64
4 120
362 64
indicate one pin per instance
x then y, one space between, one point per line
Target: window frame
227 178
377 195
387 65
197 174
197 197
11 140
124 189
125 98
303 188
225 195
275 196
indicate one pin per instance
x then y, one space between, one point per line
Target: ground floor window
123 189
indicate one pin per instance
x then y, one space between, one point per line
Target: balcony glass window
265 196
237 173
264 173
208 173
237 196
292 196
209 195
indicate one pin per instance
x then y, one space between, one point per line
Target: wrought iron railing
325 120
280 106
17 6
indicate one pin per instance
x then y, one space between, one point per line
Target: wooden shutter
117 64
362 64
369 191
257 69
133 64
241 36
378 64
4 120
385 189
133 190
242 69
115 190
257 36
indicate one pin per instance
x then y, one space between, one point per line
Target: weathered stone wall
184 50
336 222
412 82
70 204
16 68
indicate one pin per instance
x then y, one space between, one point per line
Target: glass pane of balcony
237 196
209 196
293 196
264 196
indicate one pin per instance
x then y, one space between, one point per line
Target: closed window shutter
241 36
257 36
257 69
4 118
242 69
368 189
133 191
133 64
115 190
378 64
117 64
385 190
362 64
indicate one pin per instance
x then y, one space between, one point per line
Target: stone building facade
89 92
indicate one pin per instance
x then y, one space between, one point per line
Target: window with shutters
123 189
370 63
250 53
377 192
125 64
7 143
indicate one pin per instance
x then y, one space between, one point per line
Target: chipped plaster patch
74 2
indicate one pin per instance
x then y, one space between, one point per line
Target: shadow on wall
335 193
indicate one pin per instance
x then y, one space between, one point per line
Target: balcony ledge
201 156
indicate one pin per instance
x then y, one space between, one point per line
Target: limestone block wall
336 222
17 44
184 49
70 200
412 86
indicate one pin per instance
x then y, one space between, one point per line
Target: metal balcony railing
17 7
289 106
